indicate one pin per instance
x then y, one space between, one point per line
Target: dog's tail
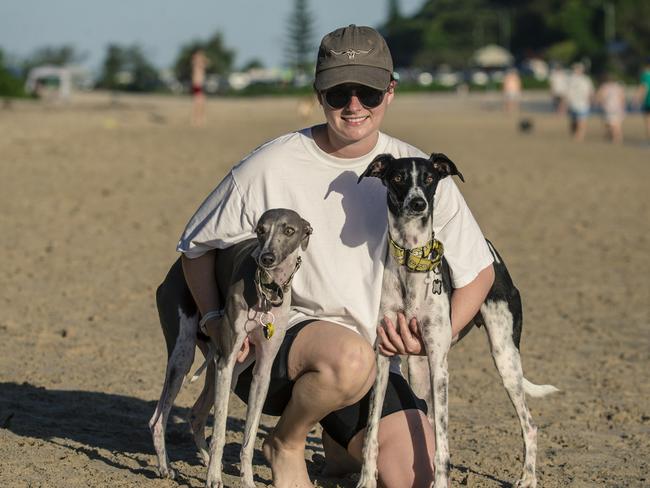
210 357
538 391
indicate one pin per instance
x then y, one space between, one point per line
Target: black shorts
342 424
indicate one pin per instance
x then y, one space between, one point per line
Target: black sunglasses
339 96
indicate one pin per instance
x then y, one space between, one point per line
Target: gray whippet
417 282
253 279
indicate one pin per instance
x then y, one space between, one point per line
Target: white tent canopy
492 56
62 75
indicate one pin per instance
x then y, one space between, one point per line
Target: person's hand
245 347
401 339
244 350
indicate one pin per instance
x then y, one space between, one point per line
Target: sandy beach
94 195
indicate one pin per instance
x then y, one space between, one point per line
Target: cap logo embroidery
351 53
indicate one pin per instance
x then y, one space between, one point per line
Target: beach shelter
492 56
59 76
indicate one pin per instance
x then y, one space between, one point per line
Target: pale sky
253 28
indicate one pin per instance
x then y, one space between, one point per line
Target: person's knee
351 370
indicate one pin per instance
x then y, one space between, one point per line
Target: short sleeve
466 250
219 222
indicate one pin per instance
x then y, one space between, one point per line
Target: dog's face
280 232
411 182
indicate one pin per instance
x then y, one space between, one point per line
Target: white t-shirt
579 91
341 274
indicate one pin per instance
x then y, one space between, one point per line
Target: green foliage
253 64
563 52
127 69
394 11
52 55
10 86
300 43
220 57
449 31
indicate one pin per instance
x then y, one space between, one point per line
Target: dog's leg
265 352
201 409
368 478
420 381
437 340
178 365
223 380
498 322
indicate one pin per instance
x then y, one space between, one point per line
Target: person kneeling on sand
326 365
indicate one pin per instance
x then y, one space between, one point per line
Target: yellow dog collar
419 259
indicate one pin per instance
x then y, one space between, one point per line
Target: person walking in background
558 81
579 95
511 90
199 64
611 99
643 96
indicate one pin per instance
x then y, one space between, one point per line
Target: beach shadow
466 470
102 421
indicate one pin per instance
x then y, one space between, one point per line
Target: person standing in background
511 90
558 83
611 99
580 93
643 96
199 64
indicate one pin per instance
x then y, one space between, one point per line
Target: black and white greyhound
254 282
417 282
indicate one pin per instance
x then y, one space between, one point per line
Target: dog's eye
289 231
428 180
397 179
259 231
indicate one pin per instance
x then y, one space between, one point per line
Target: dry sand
94 195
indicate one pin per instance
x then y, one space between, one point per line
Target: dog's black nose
418 204
267 259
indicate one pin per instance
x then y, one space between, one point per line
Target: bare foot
287 464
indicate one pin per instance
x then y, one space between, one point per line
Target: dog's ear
445 166
306 232
377 167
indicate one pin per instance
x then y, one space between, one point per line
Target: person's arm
404 338
200 277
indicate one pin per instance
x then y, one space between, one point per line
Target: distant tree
10 85
127 68
300 43
449 31
253 64
112 66
394 11
53 55
220 57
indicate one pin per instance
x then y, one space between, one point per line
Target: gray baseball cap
353 54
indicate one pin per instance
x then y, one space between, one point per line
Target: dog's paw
216 483
166 472
367 481
527 481
204 457
247 484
